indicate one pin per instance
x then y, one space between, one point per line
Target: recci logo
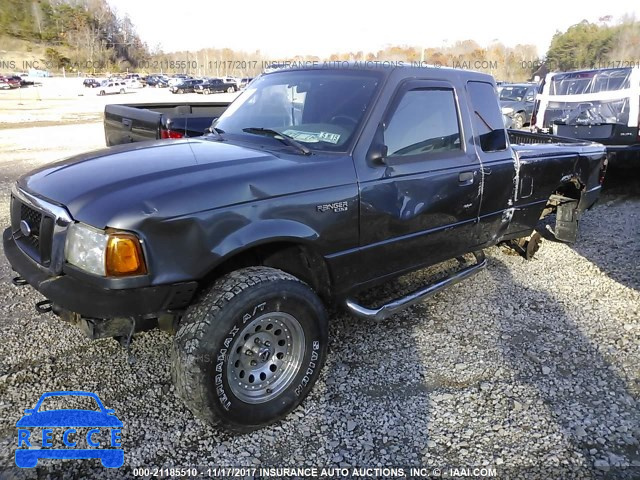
78 433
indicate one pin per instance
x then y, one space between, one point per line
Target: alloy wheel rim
265 357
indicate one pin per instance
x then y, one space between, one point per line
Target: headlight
85 248
101 253
507 110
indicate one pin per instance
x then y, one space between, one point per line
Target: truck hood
115 186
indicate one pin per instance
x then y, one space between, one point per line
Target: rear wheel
250 351
231 90
206 91
102 92
122 90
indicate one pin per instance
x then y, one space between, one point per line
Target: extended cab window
487 117
424 121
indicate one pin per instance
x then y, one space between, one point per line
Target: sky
284 28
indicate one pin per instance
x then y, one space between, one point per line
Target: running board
395 306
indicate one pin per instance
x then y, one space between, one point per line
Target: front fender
262 232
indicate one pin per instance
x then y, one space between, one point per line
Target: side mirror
109 411
378 151
29 410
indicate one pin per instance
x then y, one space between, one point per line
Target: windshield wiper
215 131
278 136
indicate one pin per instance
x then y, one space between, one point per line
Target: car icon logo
25 228
70 421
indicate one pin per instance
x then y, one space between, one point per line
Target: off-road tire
205 347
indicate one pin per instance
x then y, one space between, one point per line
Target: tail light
603 170
168 133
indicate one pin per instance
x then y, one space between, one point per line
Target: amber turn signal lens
124 256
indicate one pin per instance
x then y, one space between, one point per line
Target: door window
425 121
487 119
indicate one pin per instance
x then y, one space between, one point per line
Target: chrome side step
419 295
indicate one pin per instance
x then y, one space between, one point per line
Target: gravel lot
531 368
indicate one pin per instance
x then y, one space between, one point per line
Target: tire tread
186 372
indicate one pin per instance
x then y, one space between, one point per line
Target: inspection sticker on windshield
307 137
312 137
329 137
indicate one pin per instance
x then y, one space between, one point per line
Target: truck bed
147 121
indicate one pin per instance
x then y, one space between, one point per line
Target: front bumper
71 294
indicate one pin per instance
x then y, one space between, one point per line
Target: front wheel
122 90
231 90
251 349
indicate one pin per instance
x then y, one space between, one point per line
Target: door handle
466 178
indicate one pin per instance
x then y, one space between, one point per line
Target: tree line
75 32
602 44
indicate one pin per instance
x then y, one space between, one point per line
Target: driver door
421 205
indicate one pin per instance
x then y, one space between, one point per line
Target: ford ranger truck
312 186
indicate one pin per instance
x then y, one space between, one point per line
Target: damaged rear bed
541 158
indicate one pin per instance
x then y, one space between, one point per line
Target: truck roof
399 69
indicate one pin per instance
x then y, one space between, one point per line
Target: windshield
512 94
320 109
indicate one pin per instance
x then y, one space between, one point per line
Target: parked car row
178 83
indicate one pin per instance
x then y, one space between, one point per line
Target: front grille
44 228
33 219
38 243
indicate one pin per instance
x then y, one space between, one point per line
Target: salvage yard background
531 367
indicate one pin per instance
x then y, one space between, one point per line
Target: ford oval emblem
25 228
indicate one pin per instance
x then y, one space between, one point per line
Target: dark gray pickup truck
315 184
